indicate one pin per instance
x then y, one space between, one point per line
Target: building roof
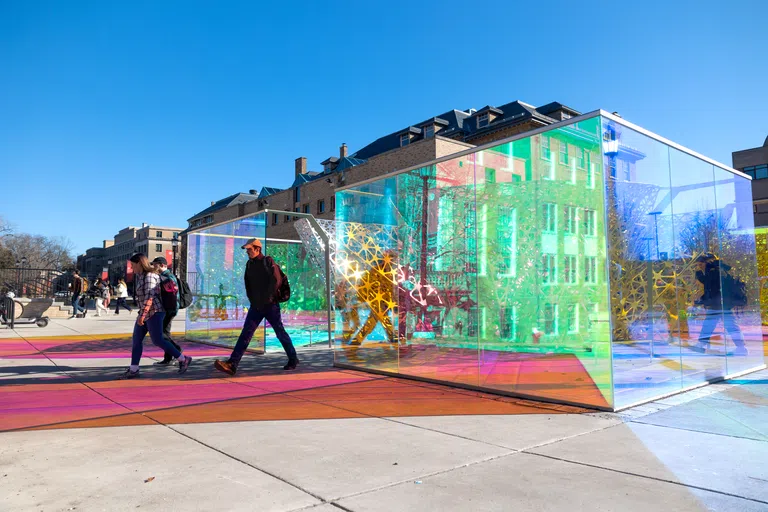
268 191
239 198
305 178
450 119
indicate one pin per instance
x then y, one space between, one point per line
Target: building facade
754 162
313 192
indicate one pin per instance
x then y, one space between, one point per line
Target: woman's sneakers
129 374
184 363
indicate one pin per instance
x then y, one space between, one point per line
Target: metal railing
36 283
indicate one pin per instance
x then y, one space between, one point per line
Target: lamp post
175 245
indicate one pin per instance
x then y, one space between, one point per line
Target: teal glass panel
541 264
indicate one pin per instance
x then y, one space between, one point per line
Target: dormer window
327 167
429 131
482 120
405 139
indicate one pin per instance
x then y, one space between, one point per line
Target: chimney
213 203
301 165
343 151
252 192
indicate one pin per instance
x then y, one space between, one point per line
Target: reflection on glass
215 269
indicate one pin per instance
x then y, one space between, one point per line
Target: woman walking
101 295
150 318
122 294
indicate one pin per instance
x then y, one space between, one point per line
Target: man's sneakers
740 351
165 361
700 347
291 365
129 374
184 363
225 366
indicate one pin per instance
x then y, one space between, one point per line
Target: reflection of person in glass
375 288
721 295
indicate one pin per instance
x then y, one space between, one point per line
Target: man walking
161 265
262 280
718 299
77 288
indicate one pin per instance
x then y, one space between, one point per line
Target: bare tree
40 252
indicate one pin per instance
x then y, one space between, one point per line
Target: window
590 270
490 175
297 211
320 206
550 318
296 195
506 241
175 234
569 270
565 116
546 154
590 171
548 269
509 322
305 208
429 131
627 170
158 247
158 234
549 218
327 167
590 222
287 218
572 319
581 159
760 172
333 203
563 152
482 120
275 219
208 219
405 139
570 220
592 311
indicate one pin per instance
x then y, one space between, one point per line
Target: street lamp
175 245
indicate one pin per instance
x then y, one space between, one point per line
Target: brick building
314 192
754 162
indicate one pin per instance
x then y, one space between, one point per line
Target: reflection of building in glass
754 162
558 265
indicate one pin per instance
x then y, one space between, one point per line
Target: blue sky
114 114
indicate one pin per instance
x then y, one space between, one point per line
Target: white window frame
512 272
405 139
429 131
547 147
590 222
570 326
571 220
555 314
571 269
550 218
590 269
480 117
549 269
563 146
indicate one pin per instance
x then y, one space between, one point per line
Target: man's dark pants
271 313
169 316
76 304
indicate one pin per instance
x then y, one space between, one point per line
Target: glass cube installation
215 269
560 265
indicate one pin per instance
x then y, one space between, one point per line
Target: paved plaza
72 437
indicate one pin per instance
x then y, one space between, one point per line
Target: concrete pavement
325 439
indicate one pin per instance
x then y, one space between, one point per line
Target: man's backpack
168 291
185 294
734 291
283 293
84 282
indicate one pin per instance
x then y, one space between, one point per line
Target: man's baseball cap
254 242
160 260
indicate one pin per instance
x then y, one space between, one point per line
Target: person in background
122 294
262 280
77 288
150 317
161 266
718 301
100 294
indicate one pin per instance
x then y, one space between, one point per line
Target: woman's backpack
168 291
185 294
